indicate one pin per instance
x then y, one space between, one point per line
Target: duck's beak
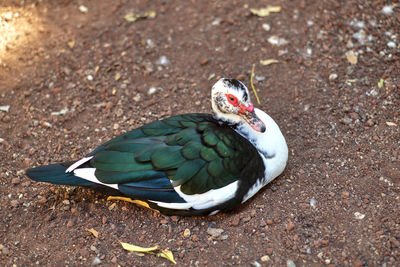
249 116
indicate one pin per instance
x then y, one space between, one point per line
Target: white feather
77 164
176 206
271 143
206 200
89 175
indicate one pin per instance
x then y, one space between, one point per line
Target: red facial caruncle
235 102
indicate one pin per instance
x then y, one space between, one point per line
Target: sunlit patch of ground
19 31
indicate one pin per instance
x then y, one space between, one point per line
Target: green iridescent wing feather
192 150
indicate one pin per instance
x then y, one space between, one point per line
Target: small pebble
313 202
278 41
14 203
324 242
15 180
290 226
153 90
42 200
395 242
195 238
265 258
4 108
391 44
137 98
235 221
387 10
266 27
214 232
333 76
83 9
290 263
345 194
224 237
358 215
4 250
96 261
163 60
186 233
346 120
204 61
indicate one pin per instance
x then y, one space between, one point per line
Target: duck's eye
232 100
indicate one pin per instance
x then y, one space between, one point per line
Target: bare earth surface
76 73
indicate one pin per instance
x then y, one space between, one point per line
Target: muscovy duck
192 164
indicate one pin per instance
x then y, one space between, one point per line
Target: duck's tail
56 174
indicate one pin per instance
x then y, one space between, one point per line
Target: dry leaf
112 206
134 17
71 44
163 254
167 255
263 12
134 201
380 83
389 123
267 62
134 248
252 84
117 76
351 57
94 232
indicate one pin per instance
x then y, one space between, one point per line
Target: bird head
231 103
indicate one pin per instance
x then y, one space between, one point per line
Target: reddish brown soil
337 202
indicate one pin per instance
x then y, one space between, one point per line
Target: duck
193 164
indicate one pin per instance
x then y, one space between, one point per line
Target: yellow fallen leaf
130 247
351 57
114 91
117 76
134 201
112 206
268 61
167 255
380 83
94 232
263 12
71 44
252 84
389 123
134 17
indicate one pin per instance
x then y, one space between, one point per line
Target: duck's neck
271 145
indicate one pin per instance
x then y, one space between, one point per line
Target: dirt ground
76 73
